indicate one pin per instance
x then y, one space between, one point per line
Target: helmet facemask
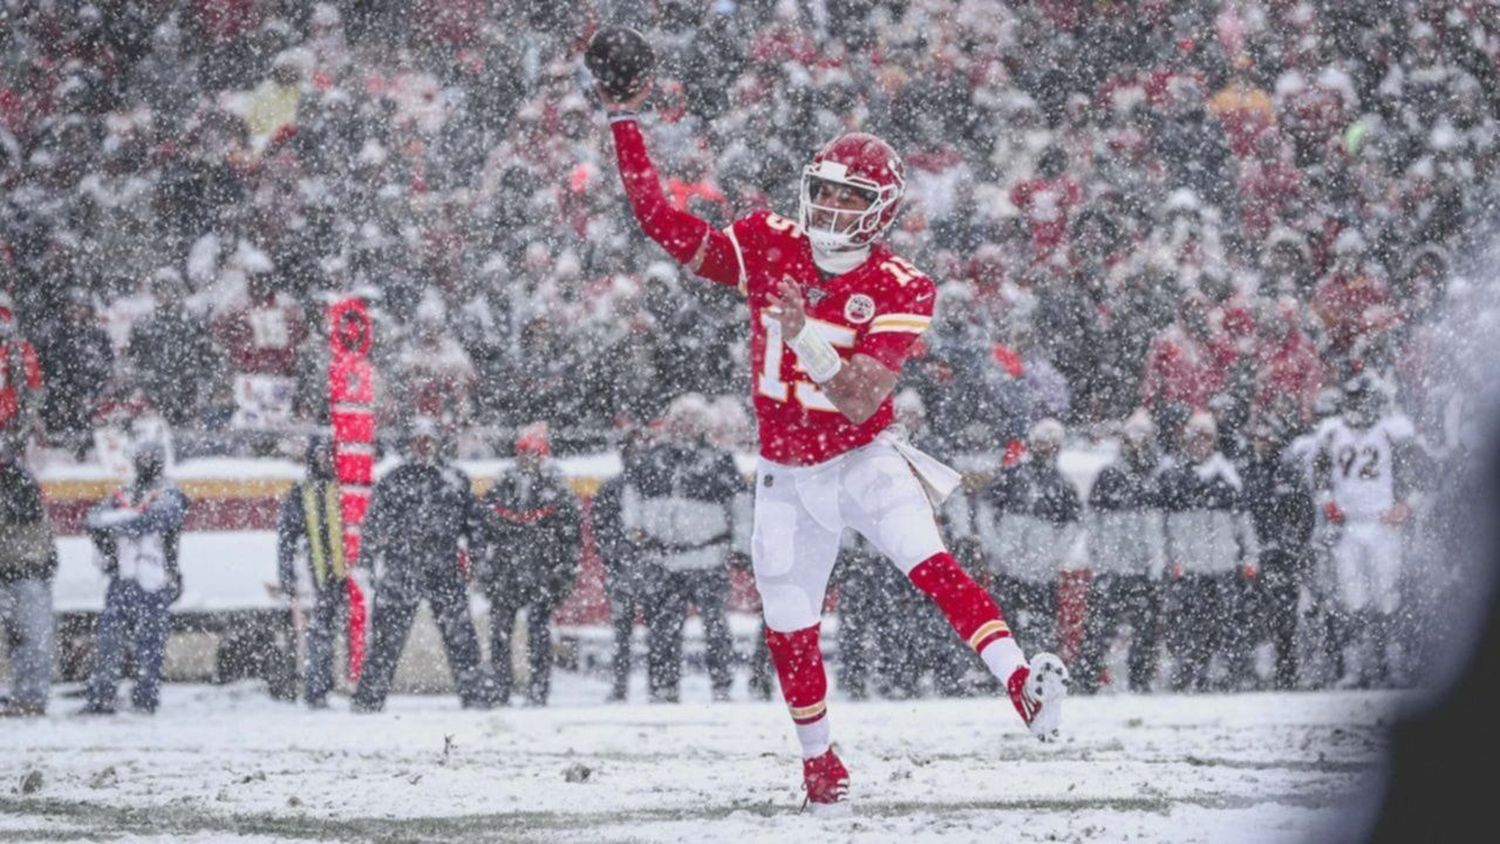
849 229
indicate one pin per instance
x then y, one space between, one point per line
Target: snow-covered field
226 763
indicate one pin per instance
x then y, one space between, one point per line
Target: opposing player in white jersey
1363 472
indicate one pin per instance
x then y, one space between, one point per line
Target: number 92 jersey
1362 464
879 309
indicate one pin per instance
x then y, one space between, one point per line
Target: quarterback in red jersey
834 315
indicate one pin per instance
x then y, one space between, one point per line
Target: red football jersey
878 309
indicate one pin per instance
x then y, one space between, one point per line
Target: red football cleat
1037 691
827 784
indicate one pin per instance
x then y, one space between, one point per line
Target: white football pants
1367 563
801 513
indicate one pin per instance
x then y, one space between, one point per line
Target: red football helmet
867 164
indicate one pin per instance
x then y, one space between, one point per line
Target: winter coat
1126 530
1207 528
137 531
262 337
616 552
77 363
20 383
680 506
1029 521
1288 374
174 360
27 551
1181 369
1281 506
418 515
534 536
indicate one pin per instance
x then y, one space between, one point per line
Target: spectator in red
20 380
1270 186
262 334
1188 363
1288 374
1351 301
1232 310
1047 201
261 337
437 377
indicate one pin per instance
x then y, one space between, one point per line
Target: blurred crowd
1229 206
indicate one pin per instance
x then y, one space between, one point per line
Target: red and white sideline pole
351 398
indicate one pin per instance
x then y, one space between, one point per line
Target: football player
1363 473
833 316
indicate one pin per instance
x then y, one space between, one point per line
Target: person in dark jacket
681 518
1284 516
172 353
622 574
534 536
419 513
28 560
1210 550
310 531
1127 552
77 363
1029 521
136 532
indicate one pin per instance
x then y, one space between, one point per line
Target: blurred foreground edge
1441 778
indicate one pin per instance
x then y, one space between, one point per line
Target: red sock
969 608
799 665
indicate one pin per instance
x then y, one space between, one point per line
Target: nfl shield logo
816 295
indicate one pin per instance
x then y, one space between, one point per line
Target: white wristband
819 359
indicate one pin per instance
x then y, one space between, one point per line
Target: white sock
1003 656
814 737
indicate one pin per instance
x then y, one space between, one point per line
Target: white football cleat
1037 690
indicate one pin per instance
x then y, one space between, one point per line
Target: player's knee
786 607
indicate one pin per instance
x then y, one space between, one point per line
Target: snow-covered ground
226 763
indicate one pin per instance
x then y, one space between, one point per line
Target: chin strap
840 262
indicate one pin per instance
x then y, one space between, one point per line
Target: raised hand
627 106
788 308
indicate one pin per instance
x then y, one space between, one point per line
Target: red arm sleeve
688 239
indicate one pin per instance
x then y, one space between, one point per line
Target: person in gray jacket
136 531
1210 547
1127 551
28 560
1029 521
679 511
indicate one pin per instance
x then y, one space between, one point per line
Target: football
620 59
